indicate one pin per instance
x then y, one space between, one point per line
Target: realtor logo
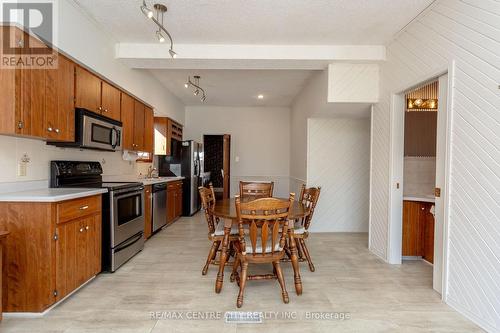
32 48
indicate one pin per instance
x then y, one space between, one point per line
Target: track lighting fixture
196 84
159 10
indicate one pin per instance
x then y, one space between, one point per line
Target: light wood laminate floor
166 276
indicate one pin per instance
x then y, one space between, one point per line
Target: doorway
217 150
435 207
419 172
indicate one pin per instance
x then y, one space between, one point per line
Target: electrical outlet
21 170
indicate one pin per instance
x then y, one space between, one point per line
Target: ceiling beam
204 56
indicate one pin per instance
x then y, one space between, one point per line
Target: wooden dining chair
309 198
262 241
215 226
256 190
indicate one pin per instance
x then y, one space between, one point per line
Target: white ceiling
236 87
308 22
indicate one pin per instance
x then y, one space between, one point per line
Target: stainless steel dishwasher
159 206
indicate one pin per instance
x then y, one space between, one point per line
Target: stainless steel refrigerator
192 169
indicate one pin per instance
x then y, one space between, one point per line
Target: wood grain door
31 96
148 130
148 223
88 90
413 228
178 202
428 245
30 104
67 261
93 242
138 125
160 136
59 115
127 110
171 203
226 165
110 103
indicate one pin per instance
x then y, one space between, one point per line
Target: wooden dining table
226 209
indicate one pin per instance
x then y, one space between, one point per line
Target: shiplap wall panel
338 160
467 32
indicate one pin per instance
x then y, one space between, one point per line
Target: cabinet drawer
76 208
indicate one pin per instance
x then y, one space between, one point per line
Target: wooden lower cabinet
418 230
48 256
3 235
148 207
174 201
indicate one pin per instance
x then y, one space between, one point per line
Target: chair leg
211 256
281 280
300 251
235 267
243 281
306 253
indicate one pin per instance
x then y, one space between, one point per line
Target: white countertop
151 181
144 181
50 194
421 198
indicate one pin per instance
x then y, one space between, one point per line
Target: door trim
396 159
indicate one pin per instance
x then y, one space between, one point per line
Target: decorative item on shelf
196 86
421 104
156 15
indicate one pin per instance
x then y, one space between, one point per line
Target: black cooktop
84 174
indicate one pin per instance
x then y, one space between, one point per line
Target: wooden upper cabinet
59 116
160 136
166 129
148 130
88 90
138 125
127 109
110 103
38 102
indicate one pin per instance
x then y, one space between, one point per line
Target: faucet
151 170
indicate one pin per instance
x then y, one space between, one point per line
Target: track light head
146 11
186 85
160 37
172 53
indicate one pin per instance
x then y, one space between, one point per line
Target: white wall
86 42
338 160
466 32
260 137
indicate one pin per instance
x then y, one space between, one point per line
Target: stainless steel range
122 209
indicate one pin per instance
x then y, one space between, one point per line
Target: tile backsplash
419 176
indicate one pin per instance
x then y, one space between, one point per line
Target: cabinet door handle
20 124
84 207
100 108
105 110
87 228
49 129
81 229
57 130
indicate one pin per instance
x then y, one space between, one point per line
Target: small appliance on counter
188 164
122 209
93 131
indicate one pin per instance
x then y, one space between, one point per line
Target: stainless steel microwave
93 131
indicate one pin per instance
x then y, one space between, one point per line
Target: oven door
99 134
127 214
